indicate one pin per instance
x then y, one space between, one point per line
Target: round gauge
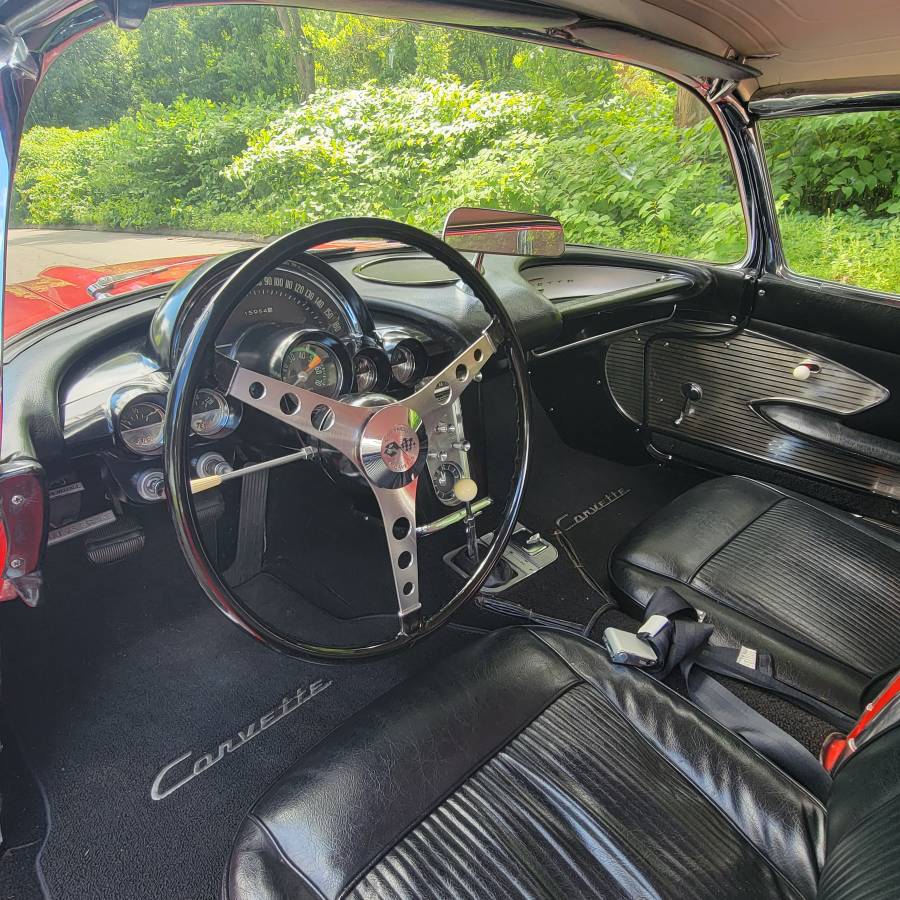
403 363
141 426
445 477
312 366
366 374
209 413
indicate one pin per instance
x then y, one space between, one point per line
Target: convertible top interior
380 560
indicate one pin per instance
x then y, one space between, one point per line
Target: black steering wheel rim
200 347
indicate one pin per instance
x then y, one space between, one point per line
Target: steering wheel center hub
400 448
393 446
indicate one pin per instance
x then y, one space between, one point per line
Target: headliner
820 44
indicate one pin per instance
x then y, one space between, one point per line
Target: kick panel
701 387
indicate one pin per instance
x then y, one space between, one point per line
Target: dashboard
303 323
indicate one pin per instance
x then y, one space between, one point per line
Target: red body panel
60 288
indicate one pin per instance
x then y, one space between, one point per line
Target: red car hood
61 288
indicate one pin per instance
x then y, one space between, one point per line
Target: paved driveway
30 251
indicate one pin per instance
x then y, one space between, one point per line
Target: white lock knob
804 370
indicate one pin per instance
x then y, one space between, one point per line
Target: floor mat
127 669
585 505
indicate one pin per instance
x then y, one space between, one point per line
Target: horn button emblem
393 446
400 448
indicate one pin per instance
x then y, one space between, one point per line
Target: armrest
825 428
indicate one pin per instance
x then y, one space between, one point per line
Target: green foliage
841 162
202 119
408 152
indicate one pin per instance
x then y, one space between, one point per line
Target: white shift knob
802 372
465 490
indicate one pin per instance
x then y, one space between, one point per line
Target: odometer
141 426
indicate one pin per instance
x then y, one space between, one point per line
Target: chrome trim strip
595 338
823 104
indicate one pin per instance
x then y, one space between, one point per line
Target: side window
837 193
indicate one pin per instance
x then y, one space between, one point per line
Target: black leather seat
814 586
528 765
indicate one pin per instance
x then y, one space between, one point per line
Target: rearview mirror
500 231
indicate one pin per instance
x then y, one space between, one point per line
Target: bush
616 170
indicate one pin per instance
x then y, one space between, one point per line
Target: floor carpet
124 670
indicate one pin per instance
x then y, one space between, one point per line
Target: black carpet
125 669
584 505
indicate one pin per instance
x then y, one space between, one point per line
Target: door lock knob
692 393
805 369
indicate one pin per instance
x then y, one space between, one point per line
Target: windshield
210 127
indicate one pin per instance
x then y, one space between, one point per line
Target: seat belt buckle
628 649
652 627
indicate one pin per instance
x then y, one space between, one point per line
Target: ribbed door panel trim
579 804
773 571
734 372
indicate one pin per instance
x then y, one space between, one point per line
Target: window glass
837 191
251 121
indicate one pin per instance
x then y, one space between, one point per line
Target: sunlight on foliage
235 119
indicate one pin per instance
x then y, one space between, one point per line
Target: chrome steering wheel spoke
444 388
398 512
337 424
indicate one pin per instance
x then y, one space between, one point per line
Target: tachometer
141 426
313 366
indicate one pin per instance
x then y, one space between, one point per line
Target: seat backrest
861 855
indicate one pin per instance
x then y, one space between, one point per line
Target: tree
291 20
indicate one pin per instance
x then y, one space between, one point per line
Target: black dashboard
93 385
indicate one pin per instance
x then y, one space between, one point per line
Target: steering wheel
387 444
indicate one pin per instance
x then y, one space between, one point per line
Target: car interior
372 562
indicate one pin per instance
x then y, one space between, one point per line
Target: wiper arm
103 284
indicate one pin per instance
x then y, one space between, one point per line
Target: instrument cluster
140 419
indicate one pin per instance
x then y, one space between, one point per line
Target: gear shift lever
466 559
465 490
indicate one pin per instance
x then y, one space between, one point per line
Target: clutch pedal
114 542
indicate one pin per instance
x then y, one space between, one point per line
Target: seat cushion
529 765
824 583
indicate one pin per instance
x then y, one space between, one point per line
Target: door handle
692 393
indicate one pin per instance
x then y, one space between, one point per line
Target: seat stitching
354 879
733 538
655 748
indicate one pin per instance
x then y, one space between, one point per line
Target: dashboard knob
465 490
211 463
151 485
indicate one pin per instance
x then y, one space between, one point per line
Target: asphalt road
30 251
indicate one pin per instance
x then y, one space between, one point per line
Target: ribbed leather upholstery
571 808
817 588
529 766
795 566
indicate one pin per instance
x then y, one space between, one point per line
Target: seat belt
680 643
879 716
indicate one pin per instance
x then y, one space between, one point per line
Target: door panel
735 372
